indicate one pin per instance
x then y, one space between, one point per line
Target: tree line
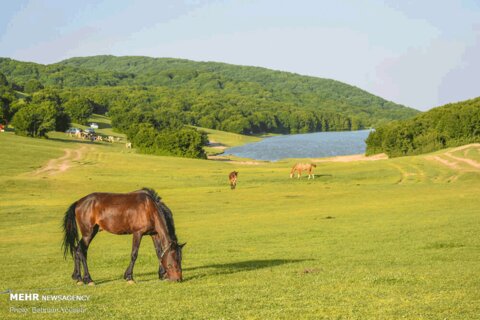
221 86
156 102
446 126
46 110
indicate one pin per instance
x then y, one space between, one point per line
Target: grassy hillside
309 103
220 140
384 239
450 125
281 85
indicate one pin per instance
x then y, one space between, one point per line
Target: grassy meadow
387 239
219 140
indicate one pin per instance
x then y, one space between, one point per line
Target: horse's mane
162 208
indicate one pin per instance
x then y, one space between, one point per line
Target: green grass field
388 239
223 139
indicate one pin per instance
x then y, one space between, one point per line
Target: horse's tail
293 170
70 239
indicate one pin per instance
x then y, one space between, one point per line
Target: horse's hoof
91 283
79 283
131 282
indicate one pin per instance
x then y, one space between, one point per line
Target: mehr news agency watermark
35 297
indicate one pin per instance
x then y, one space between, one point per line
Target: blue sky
418 53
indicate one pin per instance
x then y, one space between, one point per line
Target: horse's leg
77 274
81 253
158 250
137 237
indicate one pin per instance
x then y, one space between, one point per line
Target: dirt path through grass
63 163
455 164
470 162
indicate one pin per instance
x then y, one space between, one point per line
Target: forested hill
450 125
233 98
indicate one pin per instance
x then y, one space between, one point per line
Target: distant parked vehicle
90 131
94 125
73 131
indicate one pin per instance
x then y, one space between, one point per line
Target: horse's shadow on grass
323 175
230 268
214 269
320 175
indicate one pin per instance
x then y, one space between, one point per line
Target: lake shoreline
344 159
300 146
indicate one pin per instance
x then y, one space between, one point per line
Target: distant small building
94 125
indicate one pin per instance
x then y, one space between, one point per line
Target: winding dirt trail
62 164
458 164
455 161
470 162
445 162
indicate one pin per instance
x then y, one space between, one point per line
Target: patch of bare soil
470 162
353 157
63 163
456 159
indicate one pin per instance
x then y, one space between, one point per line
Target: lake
308 145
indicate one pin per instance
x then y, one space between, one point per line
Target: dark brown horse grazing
232 177
139 213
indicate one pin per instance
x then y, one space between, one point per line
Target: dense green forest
446 126
157 100
36 113
220 96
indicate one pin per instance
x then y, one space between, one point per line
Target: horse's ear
182 245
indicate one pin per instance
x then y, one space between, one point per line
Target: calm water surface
309 145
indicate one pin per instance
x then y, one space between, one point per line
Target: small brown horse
232 177
299 167
139 213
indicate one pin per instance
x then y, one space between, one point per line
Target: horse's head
172 262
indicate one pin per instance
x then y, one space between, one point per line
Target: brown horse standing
299 167
139 213
232 177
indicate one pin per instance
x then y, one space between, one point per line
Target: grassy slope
225 139
403 241
228 139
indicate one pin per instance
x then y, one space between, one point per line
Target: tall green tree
44 113
35 120
79 109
